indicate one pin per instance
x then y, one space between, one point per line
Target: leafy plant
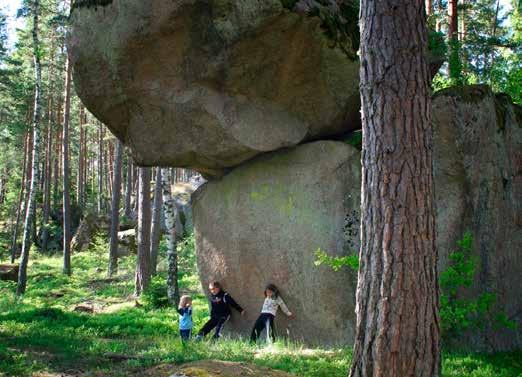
459 314
336 263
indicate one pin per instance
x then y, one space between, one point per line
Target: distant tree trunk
115 206
170 211
156 223
397 327
128 188
100 168
80 183
47 184
66 172
144 222
429 7
454 66
493 36
20 199
29 218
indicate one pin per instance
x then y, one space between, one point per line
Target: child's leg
258 327
207 327
220 325
272 328
185 334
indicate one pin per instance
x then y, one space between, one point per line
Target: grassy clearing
42 333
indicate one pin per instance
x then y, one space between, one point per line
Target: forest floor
89 325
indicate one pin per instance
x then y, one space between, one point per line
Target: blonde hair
184 300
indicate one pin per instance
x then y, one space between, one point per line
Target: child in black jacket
220 302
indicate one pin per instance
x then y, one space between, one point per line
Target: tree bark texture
20 200
397 331
100 168
115 206
30 214
169 208
156 222
128 188
144 222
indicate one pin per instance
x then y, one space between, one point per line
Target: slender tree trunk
493 36
144 222
454 66
170 211
128 188
66 172
397 331
79 178
156 223
20 199
115 206
26 246
100 169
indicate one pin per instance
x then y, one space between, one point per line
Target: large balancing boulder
263 222
208 84
478 188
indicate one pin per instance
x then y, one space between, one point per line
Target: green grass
43 333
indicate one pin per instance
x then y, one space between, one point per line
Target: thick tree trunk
156 223
115 206
128 188
20 199
66 172
144 222
397 293
170 211
29 218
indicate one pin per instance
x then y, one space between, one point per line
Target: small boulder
9 272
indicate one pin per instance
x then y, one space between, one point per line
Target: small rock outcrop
9 272
210 84
89 226
263 222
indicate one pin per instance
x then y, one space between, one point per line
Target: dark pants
264 321
217 322
185 334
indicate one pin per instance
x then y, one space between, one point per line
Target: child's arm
180 311
283 307
230 301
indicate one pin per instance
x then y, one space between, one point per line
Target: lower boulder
263 222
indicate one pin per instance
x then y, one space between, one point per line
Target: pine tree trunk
29 218
48 159
144 222
397 328
100 168
156 223
20 199
170 211
79 178
453 37
115 206
66 172
128 188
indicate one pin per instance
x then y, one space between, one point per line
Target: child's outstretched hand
243 313
291 316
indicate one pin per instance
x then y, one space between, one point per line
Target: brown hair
273 288
216 284
184 300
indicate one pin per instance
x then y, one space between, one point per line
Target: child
185 321
220 302
266 320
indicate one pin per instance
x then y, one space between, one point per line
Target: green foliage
355 139
459 314
336 263
437 44
186 249
155 296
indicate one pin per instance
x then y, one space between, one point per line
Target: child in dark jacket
220 302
